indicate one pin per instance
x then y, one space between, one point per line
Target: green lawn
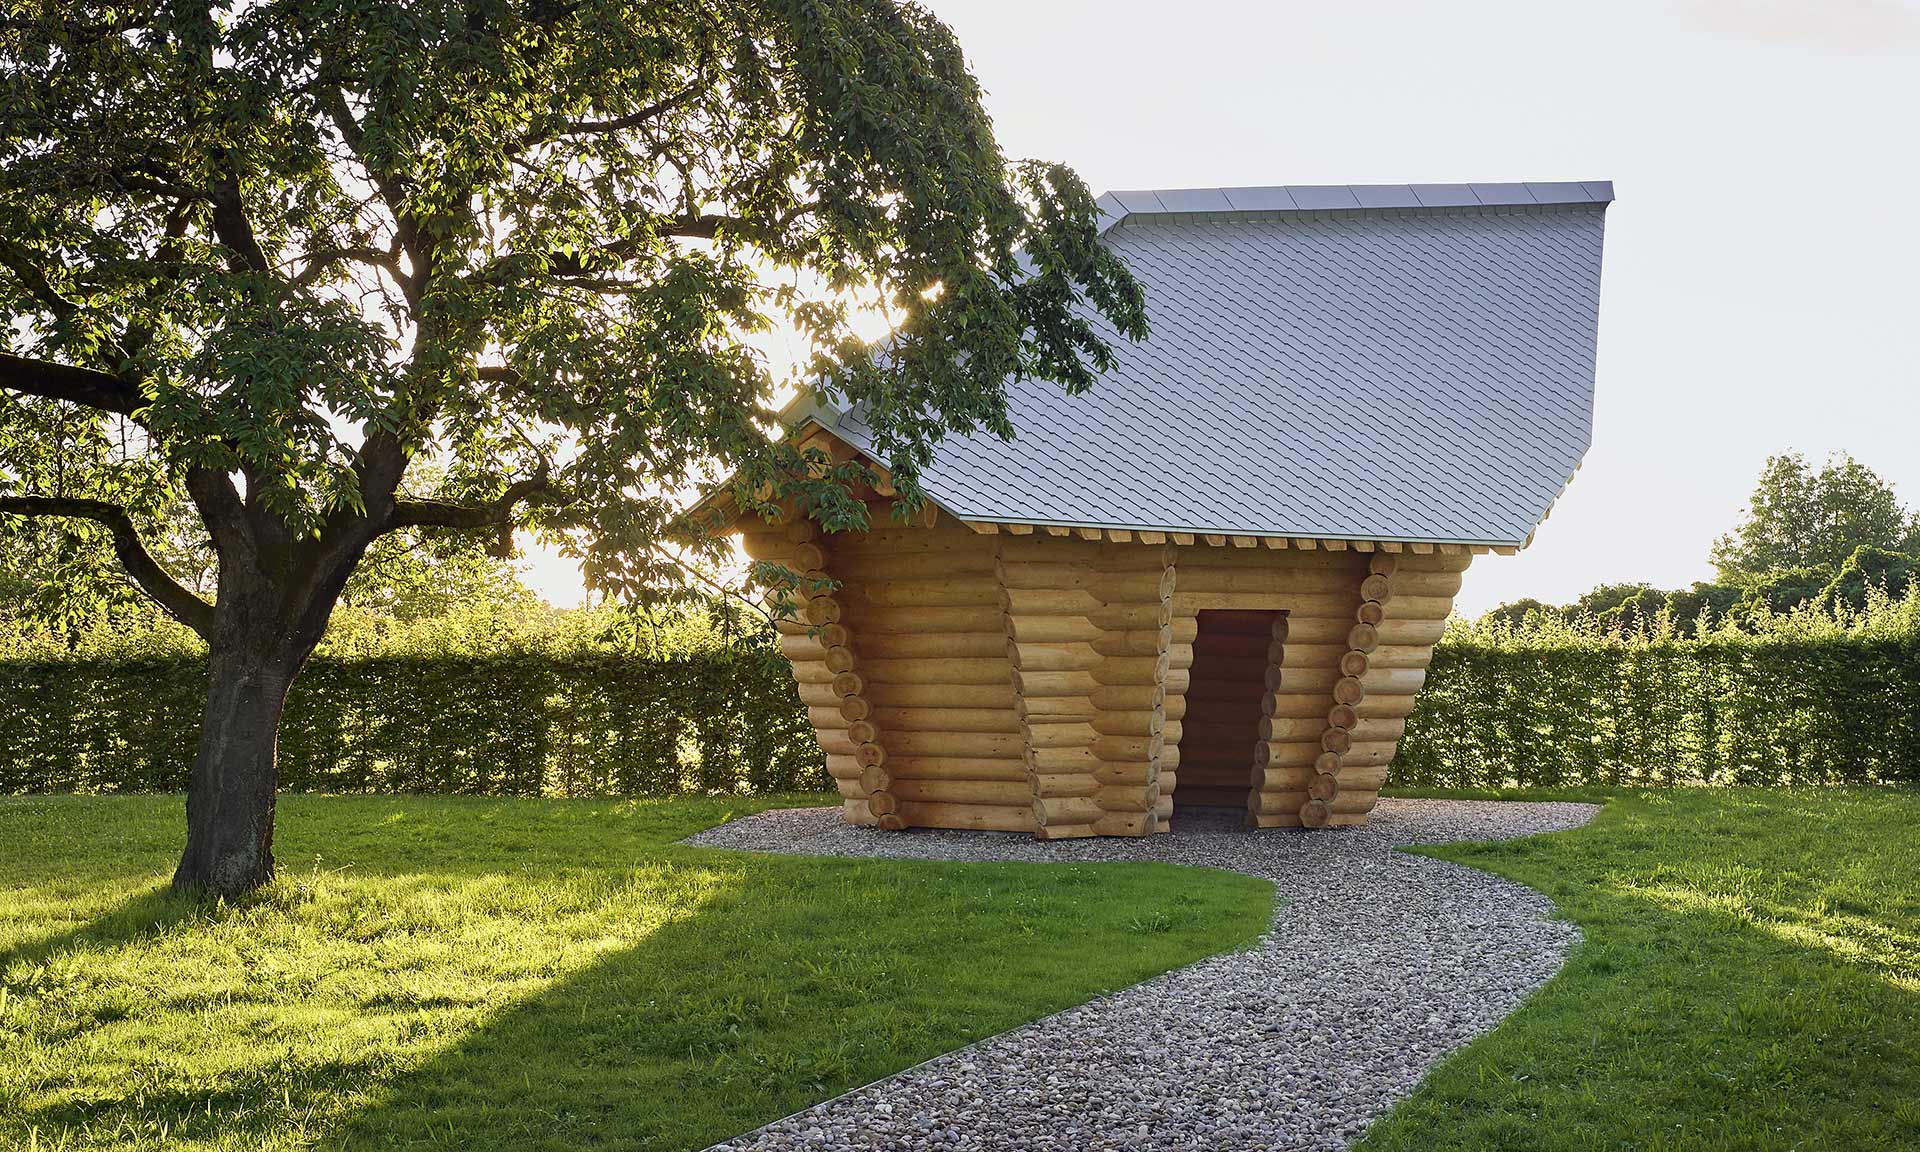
449 973
1750 979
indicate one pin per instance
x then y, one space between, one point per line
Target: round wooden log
1350 802
1132 722
1398 631
930 671
1013 793
1134 642
1133 617
1129 697
958 767
1281 754
1129 798
1354 663
1396 681
1288 778
989 745
1342 716
840 659
1328 762
1069 758
1071 656
1299 704
1370 612
1132 670
925 620
854 708
1382 563
1066 810
1384 707
1053 785
1058 732
947 592
1029 684
1291 728
870 755
822 610
828 719
1371 752
848 683
1348 690
1377 588
862 732
884 695
1362 779
943 719
820 695
1363 637
1128 747
843 768
874 778
1128 824
1275 803
979 817
1314 813
1336 740
881 803
1323 787
891 822
937 645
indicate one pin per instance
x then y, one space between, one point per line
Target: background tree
261 258
1799 518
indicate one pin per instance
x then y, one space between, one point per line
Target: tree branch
495 515
231 225
84 386
140 565
635 118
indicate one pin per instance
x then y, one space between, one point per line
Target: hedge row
563 713
1810 711
526 724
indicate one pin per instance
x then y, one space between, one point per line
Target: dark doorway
1226 688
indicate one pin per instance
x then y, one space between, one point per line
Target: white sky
1759 290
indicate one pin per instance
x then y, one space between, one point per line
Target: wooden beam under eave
984 527
1334 545
1019 529
1215 539
1183 537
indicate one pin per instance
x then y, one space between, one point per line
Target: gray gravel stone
1378 964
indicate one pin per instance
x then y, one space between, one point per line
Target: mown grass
1750 979
494 974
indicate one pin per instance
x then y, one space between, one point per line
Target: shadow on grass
787 992
143 914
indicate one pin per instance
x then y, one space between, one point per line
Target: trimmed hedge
573 708
565 718
1834 710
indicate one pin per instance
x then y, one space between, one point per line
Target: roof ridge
1119 204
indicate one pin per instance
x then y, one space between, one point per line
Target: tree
263 257
1799 518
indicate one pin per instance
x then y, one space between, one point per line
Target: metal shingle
1380 374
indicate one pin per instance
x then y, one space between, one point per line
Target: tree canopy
1800 518
260 258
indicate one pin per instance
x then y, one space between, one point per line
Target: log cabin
1216 578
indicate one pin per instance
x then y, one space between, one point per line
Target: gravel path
1377 965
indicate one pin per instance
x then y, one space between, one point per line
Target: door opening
1226 689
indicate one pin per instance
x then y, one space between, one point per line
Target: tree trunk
230 797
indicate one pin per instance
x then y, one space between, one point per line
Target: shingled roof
1359 362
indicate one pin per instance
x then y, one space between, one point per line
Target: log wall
1044 680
